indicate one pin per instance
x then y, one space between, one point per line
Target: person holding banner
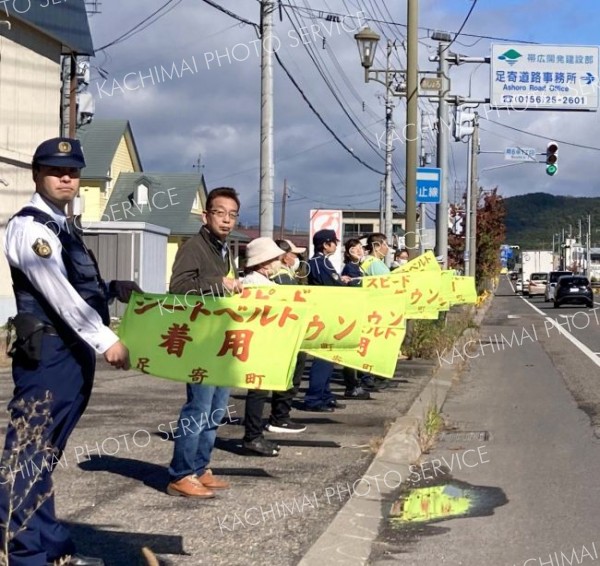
290 263
377 248
262 263
400 258
319 398
203 265
353 256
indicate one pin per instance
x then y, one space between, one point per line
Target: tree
491 233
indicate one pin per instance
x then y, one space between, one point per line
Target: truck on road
535 261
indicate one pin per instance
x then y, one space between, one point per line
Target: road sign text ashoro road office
544 77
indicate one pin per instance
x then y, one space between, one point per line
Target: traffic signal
551 158
464 124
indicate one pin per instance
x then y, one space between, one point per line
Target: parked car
551 285
519 286
573 289
537 284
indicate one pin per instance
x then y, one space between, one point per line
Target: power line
230 13
540 136
429 30
331 85
297 86
463 25
131 32
320 118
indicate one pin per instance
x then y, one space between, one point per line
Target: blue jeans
197 429
318 383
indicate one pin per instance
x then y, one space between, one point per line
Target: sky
189 83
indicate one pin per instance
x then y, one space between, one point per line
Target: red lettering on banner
238 341
176 339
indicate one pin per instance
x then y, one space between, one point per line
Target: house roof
100 140
170 200
66 22
300 239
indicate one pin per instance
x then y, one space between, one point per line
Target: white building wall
29 113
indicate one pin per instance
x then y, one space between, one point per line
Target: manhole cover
464 436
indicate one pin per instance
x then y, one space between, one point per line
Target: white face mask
402 261
274 268
295 265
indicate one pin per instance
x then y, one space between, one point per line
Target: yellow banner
350 326
421 289
230 342
336 315
463 290
380 341
423 262
446 292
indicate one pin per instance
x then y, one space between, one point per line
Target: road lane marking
591 355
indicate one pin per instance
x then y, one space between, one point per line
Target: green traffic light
551 169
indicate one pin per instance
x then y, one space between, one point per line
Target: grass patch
432 336
433 423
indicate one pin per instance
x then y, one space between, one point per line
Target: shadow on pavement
152 475
118 547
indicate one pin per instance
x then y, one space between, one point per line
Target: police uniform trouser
67 373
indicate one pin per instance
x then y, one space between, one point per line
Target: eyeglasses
224 213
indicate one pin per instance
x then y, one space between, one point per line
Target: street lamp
367 44
367 40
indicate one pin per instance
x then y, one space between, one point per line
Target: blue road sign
429 182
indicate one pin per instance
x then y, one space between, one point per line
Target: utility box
130 251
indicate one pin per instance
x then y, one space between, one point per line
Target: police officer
319 398
62 322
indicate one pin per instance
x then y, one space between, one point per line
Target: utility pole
381 205
68 126
267 196
389 126
468 254
412 117
474 198
442 150
423 163
282 227
588 269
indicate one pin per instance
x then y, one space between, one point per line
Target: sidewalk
276 508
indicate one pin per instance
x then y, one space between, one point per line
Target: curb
349 537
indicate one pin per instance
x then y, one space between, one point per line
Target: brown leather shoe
212 482
189 487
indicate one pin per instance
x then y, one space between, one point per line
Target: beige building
110 150
31 45
359 223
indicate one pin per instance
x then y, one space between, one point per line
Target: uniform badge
64 147
42 248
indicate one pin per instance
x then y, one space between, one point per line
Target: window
196 203
141 196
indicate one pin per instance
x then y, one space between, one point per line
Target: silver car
551 285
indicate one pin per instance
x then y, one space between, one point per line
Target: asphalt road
535 401
111 482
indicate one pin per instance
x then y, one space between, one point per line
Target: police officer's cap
59 152
322 236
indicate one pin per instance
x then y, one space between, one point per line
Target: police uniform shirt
49 276
322 272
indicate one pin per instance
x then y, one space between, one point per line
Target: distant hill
532 219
